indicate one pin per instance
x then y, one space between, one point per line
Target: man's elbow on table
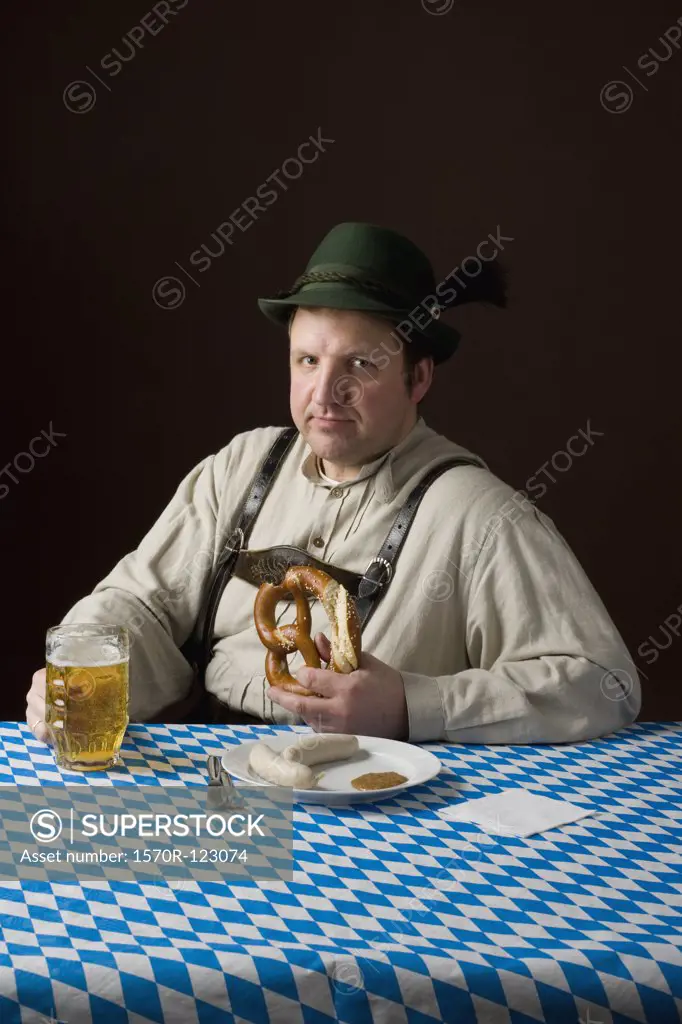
596 701
545 700
619 698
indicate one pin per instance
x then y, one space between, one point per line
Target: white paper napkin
515 812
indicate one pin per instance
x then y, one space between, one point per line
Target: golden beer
87 695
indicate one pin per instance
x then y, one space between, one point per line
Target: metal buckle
387 567
229 548
239 535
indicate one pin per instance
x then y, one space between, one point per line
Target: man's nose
326 391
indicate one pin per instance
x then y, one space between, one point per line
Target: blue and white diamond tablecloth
394 915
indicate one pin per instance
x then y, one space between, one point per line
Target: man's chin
330 444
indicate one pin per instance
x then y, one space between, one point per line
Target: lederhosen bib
271 564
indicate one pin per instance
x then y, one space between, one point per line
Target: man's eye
356 359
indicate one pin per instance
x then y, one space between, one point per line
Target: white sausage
318 747
274 768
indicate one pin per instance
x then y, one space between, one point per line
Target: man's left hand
367 702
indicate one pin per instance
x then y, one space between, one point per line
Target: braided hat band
378 288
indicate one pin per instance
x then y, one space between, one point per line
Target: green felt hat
375 270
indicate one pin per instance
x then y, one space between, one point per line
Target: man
487 630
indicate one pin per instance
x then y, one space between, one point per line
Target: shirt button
337 492
318 542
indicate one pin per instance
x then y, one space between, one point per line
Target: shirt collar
381 466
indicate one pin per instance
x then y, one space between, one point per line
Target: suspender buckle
233 545
236 540
385 571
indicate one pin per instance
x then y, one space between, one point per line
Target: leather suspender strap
379 572
238 539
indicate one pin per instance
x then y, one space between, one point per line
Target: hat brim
440 339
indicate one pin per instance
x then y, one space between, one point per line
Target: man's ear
424 371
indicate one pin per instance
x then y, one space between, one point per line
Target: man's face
349 399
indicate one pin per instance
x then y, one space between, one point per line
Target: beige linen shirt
494 626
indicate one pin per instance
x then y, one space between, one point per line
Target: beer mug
86 701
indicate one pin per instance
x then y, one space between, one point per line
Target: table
394 915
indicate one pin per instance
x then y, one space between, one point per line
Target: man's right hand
35 707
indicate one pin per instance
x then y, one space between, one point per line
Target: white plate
374 755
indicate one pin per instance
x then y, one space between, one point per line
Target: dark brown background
445 127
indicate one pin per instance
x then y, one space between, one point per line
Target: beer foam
86 656
86 662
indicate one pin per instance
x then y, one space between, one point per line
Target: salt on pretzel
300 581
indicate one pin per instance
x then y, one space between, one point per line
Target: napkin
515 812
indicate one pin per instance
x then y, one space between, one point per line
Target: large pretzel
346 630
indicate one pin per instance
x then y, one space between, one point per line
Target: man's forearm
554 699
